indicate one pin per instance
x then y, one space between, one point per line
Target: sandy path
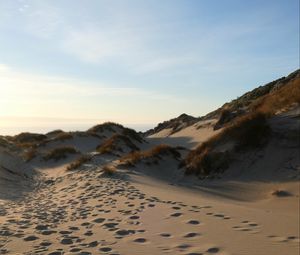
88 213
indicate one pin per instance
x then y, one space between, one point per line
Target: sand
87 212
253 208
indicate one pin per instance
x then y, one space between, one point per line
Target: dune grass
29 154
248 131
60 153
154 153
113 144
280 99
109 170
79 162
105 126
63 136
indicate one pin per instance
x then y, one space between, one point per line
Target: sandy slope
189 137
87 212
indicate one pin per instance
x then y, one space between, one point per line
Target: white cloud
26 94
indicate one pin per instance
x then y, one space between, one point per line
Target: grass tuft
155 153
60 153
109 170
111 145
79 162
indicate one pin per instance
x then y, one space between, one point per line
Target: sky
71 63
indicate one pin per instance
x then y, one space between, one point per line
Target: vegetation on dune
29 138
54 132
4 143
153 154
63 136
79 162
248 130
29 154
109 170
116 128
105 126
175 124
113 144
60 153
281 99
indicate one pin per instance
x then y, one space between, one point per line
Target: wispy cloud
26 94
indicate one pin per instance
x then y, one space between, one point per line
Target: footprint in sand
30 238
99 220
176 214
282 239
183 246
191 235
222 216
124 232
167 235
66 241
140 240
93 244
193 222
134 217
45 243
247 226
105 249
213 250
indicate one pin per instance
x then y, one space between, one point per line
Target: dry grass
105 126
112 144
115 127
131 133
29 138
63 136
247 132
280 99
79 162
4 143
60 153
208 162
155 153
29 154
109 170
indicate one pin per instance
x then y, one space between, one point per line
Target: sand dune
125 195
87 212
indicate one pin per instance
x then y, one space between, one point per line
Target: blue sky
137 62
